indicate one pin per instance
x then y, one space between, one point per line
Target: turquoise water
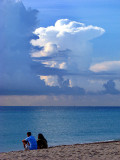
60 125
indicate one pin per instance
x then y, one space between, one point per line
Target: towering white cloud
67 35
70 38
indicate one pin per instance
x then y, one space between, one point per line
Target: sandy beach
91 151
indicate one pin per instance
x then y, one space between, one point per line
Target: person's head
28 134
40 136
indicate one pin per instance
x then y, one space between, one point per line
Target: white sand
92 151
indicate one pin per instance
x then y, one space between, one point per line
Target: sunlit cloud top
66 35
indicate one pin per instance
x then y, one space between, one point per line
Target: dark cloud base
64 90
45 91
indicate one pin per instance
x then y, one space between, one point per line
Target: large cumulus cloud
67 35
68 45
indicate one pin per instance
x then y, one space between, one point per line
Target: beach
89 151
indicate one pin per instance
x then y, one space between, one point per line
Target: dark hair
29 133
40 136
41 142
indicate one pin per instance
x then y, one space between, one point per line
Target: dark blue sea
59 125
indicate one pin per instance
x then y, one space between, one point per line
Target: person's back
32 141
41 142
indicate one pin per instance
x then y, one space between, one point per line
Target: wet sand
91 151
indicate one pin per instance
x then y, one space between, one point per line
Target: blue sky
59 50
104 13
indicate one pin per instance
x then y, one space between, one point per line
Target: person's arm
24 142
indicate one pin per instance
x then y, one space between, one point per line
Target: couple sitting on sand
30 142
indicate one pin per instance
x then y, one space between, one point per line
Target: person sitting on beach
41 142
30 142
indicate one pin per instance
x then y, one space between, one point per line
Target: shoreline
54 146
109 150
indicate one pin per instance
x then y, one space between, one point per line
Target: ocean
59 125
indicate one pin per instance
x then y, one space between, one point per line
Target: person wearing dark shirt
41 142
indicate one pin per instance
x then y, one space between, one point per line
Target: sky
59 53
